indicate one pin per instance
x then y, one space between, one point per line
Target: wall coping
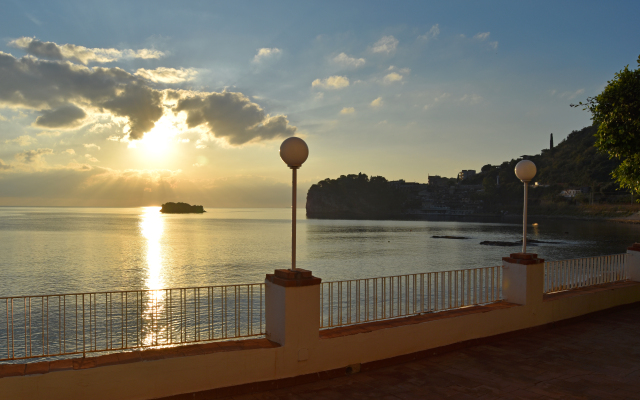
523 258
588 290
291 278
43 367
411 320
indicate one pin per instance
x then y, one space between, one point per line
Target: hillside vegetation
495 190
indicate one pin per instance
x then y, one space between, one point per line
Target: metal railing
68 324
373 299
581 272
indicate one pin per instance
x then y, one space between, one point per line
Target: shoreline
621 213
512 218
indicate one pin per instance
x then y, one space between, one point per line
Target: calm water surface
65 250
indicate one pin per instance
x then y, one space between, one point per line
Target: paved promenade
595 358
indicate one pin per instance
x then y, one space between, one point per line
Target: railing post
633 262
292 310
523 278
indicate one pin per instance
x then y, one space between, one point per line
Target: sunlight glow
160 140
152 228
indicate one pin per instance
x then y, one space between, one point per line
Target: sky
126 104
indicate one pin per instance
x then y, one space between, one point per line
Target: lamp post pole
294 201
525 171
524 217
294 153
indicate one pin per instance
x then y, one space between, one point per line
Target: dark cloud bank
64 93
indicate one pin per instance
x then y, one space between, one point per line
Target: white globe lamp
525 170
294 152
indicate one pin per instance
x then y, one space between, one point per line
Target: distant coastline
181 208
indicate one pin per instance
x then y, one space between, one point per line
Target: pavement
593 358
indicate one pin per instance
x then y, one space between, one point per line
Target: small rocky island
181 208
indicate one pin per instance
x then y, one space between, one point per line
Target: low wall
297 346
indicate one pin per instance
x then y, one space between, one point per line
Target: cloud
55 87
432 34
52 85
33 19
482 36
70 151
347 110
569 95
168 75
3 166
387 44
442 97
350 62
24 140
266 54
392 77
376 103
233 117
91 158
81 54
471 99
67 116
90 145
140 104
49 133
31 156
332 82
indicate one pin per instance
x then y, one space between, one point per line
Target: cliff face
354 196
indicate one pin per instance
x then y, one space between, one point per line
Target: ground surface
597 358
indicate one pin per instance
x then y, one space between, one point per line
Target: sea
58 250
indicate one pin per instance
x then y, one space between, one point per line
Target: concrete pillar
633 262
523 278
292 311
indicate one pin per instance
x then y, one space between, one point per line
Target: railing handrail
128 291
586 258
412 274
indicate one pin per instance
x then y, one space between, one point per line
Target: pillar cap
290 278
634 247
523 258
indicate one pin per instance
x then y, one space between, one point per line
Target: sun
160 141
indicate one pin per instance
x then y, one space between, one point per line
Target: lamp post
294 153
525 171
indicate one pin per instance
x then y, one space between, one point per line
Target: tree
616 111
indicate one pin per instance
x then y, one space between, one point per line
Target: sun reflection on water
152 229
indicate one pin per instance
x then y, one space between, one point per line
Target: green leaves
617 112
